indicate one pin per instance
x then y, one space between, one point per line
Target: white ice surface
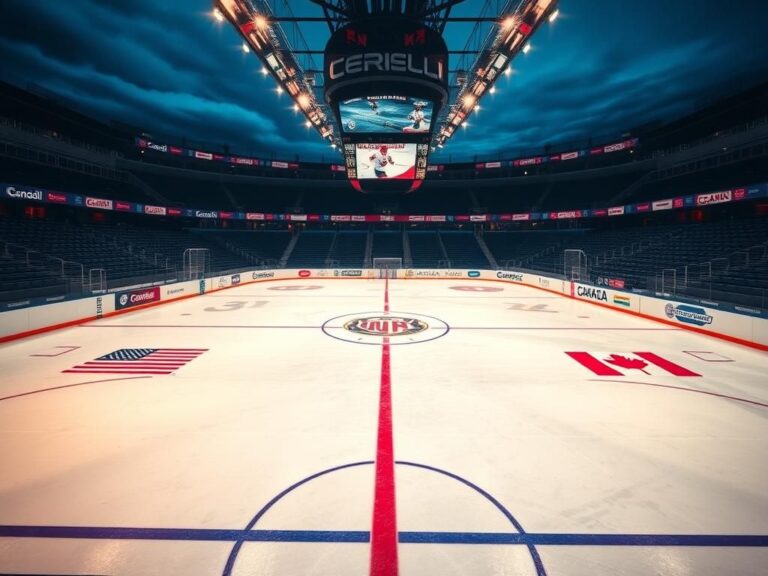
495 401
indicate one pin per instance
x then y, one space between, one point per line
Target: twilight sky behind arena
604 67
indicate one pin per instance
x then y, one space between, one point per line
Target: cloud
166 67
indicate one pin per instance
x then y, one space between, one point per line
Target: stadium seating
311 249
725 261
463 250
349 249
20 281
387 244
426 250
261 247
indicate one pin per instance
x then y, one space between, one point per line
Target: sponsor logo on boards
57 198
260 275
514 276
688 314
621 300
136 297
98 203
13 192
592 293
473 273
713 198
305 273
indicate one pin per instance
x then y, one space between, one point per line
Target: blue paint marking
362 537
239 543
537 562
521 538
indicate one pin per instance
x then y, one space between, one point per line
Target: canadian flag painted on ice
623 364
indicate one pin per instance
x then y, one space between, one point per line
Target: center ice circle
373 327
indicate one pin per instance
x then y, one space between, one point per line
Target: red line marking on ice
384 526
70 386
684 389
64 350
665 364
115 371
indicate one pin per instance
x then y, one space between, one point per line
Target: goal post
575 265
387 267
196 262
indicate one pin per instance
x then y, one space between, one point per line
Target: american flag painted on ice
139 361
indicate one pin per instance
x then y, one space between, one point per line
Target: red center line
384 527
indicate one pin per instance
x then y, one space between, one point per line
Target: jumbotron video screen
386 161
382 114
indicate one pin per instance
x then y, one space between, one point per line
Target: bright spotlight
554 15
508 71
303 100
527 48
260 21
246 48
469 99
308 124
217 15
295 107
279 90
492 90
264 71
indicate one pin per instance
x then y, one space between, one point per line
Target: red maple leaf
629 363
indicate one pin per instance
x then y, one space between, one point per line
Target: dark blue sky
603 67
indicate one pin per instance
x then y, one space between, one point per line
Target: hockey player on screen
381 160
417 116
374 106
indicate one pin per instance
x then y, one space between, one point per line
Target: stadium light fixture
279 89
217 15
469 100
508 71
295 107
554 15
264 70
308 124
246 48
303 100
492 90
527 48
260 22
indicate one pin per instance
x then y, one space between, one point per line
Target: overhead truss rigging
292 67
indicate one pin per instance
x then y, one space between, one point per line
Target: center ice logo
386 326
375 327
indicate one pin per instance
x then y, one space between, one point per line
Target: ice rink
415 427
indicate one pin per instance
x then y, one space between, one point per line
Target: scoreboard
386 80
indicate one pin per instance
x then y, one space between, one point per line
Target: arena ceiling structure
389 89
481 47
169 69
